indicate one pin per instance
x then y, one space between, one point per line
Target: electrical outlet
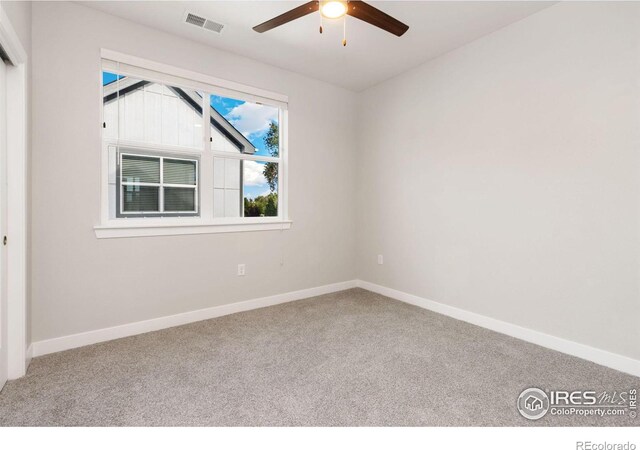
380 260
241 270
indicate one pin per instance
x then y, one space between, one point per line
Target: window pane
238 126
181 116
127 101
179 199
140 169
177 171
146 111
226 184
260 182
140 199
110 104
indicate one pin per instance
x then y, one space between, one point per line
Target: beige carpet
351 358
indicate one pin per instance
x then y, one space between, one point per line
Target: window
156 185
246 165
189 151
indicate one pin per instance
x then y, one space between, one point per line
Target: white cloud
251 118
253 174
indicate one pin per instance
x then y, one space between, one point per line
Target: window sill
137 228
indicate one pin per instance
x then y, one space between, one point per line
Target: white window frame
204 222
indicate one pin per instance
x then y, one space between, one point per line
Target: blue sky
256 119
109 77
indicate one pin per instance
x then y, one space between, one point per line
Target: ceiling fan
335 10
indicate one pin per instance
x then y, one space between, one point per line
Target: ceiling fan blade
294 14
364 11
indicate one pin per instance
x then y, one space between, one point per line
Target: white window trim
18 355
203 224
139 67
171 227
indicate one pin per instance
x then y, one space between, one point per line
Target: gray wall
80 283
519 194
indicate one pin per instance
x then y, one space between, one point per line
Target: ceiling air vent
203 22
213 26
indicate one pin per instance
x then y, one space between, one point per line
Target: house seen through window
176 151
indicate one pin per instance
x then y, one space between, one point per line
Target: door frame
18 354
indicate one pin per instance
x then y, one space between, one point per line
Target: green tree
251 209
261 206
271 208
267 205
272 142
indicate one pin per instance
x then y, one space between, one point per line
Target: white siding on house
226 187
219 143
154 114
110 117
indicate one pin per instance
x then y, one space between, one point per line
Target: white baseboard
106 334
28 357
602 357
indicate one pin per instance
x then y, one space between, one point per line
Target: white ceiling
371 55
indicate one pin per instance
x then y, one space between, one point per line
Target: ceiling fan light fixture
333 9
